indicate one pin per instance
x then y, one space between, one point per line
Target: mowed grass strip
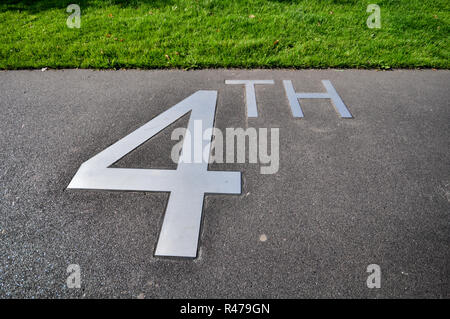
233 33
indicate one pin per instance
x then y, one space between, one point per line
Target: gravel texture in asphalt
374 189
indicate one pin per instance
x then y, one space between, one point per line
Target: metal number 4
187 184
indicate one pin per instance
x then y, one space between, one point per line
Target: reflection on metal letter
252 109
331 93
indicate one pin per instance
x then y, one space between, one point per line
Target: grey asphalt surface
374 189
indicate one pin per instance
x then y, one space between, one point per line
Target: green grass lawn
221 33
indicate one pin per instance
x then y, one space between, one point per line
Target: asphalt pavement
372 189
